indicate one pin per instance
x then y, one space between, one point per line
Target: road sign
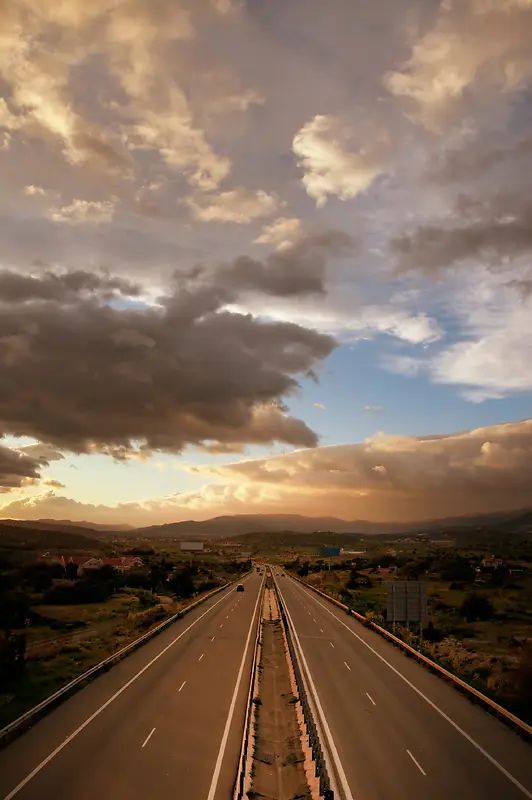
330 552
191 547
406 601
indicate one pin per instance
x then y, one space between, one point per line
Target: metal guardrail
239 790
312 731
506 716
26 720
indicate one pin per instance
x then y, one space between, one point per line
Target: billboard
191 547
406 601
330 552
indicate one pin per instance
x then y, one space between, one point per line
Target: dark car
240 587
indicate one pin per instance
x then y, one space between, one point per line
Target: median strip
276 759
278 766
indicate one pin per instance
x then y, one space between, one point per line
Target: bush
519 686
476 607
207 585
433 634
146 599
75 592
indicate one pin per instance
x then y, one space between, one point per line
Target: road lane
392 743
182 700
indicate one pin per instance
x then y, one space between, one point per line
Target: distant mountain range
239 524
227 526
28 537
66 525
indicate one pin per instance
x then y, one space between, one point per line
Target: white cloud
474 43
491 356
238 205
84 211
171 132
339 160
282 232
344 313
31 191
403 365
496 358
399 477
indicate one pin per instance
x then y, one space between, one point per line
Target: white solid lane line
433 705
148 737
201 656
99 710
371 698
225 735
347 665
418 765
181 686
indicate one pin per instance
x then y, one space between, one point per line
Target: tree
414 569
520 684
159 575
40 575
71 570
352 583
181 583
14 609
476 607
455 569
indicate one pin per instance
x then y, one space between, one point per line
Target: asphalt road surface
166 722
398 731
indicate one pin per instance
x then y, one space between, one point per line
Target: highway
166 722
397 730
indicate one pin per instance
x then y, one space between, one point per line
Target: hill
68 525
227 526
230 526
17 537
219 527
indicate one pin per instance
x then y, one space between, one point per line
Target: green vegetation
56 622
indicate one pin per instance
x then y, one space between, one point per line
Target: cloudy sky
265 257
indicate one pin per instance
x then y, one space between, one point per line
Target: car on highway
240 587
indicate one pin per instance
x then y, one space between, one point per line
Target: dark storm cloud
298 269
62 287
491 229
84 376
18 469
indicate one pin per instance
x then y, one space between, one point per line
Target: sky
265 258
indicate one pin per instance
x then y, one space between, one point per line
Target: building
492 563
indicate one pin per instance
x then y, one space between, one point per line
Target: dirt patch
278 762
